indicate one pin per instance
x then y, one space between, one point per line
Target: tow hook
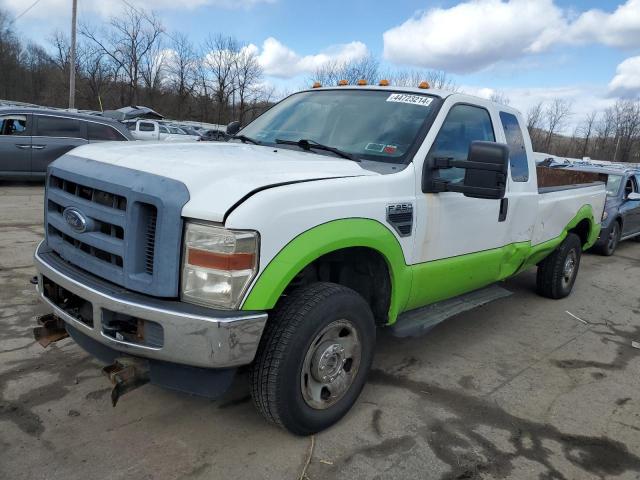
126 374
51 330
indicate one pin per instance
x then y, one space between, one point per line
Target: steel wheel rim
569 269
613 236
330 365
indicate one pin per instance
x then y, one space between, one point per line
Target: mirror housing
486 170
633 196
233 128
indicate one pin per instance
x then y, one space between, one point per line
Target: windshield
370 124
613 185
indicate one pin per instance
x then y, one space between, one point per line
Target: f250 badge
75 219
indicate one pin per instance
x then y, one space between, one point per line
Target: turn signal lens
220 261
424 85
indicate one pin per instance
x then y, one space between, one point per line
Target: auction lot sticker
411 99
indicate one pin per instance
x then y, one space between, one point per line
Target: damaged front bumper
143 326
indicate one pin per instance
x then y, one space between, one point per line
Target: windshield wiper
245 139
312 144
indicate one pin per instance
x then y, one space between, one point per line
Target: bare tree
534 124
129 41
248 73
586 131
182 70
500 97
330 73
556 116
219 71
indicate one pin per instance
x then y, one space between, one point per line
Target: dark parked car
214 136
31 138
621 218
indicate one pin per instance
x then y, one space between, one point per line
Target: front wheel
612 240
313 359
557 273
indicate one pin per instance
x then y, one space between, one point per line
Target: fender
327 238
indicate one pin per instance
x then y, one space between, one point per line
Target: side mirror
633 196
233 128
485 175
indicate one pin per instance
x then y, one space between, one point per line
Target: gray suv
31 138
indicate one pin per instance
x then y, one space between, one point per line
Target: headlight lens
218 264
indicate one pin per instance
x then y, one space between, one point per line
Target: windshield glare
613 185
370 124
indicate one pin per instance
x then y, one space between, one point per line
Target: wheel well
360 268
582 229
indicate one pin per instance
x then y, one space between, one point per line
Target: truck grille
111 229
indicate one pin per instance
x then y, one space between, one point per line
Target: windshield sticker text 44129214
420 100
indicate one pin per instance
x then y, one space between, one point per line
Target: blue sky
530 50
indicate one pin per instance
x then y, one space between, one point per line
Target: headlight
218 264
605 215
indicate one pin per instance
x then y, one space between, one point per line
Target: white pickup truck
337 211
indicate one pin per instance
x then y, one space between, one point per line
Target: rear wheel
557 273
313 358
612 240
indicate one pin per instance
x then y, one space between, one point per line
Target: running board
419 321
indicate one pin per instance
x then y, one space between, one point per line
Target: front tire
612 240
557 273
314 357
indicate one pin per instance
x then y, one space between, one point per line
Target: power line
24 12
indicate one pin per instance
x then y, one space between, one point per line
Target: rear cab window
517 149
146 127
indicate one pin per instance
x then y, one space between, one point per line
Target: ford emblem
75 219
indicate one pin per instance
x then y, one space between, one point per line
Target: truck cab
338 211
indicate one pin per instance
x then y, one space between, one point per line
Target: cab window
146 127
517 150
58 127
464 124
630 187
13 125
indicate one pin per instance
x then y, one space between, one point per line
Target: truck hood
220 175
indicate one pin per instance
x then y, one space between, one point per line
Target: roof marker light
316 85
384 83
342 83
362 82
424 85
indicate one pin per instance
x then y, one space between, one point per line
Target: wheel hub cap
569 267
330 365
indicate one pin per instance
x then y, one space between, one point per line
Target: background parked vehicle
151 130
31 138
214 136
621 218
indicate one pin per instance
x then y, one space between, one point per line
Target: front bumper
182 333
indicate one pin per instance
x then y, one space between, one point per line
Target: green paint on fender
412 286
326 238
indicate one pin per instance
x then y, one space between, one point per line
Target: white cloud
584 99
278 60
476 34
626 82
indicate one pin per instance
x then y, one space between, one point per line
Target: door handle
22 146
38 147
504 209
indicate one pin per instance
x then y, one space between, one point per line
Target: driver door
15 144
630 208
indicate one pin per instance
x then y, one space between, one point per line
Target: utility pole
72 57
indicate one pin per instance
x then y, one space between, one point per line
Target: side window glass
13 125
131 126
58 127
464 124
517 150
163 129
629 187
146 127
99 132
